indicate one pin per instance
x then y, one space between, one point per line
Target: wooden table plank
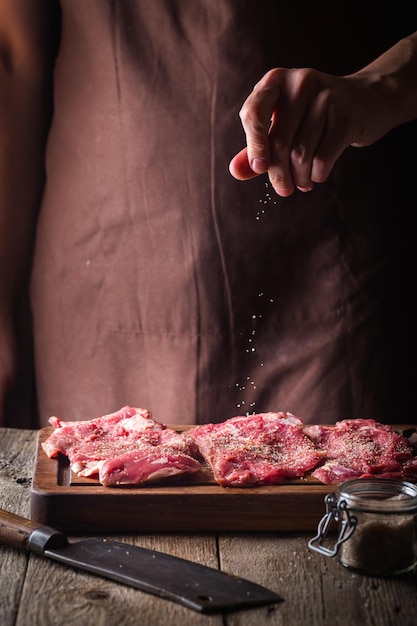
16 462
317 590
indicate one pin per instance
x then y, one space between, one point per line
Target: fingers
305 144
271 117
307 158
256 115
296 124
335 137
289 166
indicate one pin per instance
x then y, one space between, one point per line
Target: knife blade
198 587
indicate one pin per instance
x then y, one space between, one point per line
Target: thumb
256 116
239 166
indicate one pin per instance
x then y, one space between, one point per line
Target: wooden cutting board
62 500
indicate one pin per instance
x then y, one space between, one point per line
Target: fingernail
305 189
284 193
260 166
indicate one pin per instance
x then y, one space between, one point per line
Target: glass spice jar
377 530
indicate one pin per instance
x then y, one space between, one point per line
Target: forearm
22 176
25 66
21 183
393 76
25 95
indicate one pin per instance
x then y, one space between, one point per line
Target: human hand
299 121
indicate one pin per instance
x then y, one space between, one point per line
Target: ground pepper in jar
377 526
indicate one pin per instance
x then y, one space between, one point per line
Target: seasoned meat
359 448
262 449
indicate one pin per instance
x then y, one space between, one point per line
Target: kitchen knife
195 586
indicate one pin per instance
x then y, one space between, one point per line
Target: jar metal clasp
336 510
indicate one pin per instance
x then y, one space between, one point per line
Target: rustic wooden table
317 591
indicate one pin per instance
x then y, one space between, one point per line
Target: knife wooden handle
15 530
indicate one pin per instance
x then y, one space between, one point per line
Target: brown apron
160 281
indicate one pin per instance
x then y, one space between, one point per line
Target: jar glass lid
379 495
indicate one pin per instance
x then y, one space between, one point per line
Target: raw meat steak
157 455
132 447
262 449
87 442
361 448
